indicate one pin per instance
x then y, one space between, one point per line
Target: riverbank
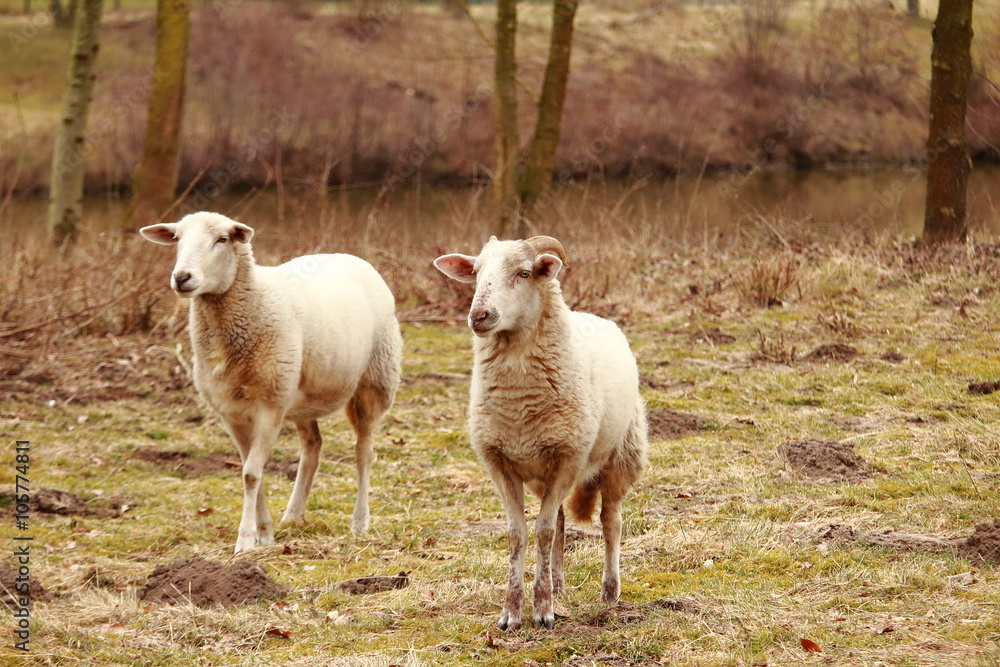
308 96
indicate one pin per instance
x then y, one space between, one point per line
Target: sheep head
208 250
509 276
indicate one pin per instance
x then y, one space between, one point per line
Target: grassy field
729 557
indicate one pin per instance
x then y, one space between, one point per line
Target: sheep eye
222 239
525 274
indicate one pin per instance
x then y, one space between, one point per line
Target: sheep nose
180 278
482 319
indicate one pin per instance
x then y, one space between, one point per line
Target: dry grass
724 560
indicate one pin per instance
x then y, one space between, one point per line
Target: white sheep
295 341
554 405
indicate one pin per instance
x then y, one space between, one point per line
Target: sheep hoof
508 622
549 621
245 543
359 526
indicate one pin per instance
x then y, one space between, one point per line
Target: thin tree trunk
506 130
541 160
154 184
948 163
66 195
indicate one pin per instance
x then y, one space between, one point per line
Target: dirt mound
712 336
832 352
208 583
186 465
824 459
8 588
983 544
669 425
64 503
377 584
984 388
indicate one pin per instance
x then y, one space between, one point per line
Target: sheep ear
457 267
162 233
241 233
547 267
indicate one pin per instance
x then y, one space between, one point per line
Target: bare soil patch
889 539
612 659
187 465
375 584
984 388
625 613
832 352
983 544
712 336
208 583
669 425
9 595
64 503
824 460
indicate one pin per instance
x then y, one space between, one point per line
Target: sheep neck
538 342
230 323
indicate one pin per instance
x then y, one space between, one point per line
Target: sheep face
207 251
508 275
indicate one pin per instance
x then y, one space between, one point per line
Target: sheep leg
611 527
510 488
558 555
362 413
255 440
546 526
512 495
311 442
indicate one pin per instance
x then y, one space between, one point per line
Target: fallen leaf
810 645
278 632
233 463
886 630
205 511
429 542
685 494
863 594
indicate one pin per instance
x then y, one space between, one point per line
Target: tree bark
541 160
66 195
948 163
505 121
154 183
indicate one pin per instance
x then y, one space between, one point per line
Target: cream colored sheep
295 341
555 406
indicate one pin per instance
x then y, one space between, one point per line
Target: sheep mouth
185 291
483 329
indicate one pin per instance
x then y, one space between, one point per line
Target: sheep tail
583 500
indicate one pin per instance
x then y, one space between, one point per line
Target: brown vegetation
311 96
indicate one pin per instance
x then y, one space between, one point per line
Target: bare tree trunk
154 183
540 164
66 195
948 163
506 130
